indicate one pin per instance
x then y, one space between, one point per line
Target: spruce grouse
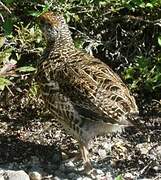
85 95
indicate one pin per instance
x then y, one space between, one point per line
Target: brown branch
5 7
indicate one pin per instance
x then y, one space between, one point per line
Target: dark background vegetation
126 35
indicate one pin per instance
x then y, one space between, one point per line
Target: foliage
16 48
119 177
124 34
144 74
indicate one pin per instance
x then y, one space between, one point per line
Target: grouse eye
44 23
41 21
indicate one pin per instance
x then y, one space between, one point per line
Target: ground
31 140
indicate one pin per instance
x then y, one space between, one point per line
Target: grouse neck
64 43
61 44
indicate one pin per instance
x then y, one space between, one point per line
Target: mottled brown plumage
83 93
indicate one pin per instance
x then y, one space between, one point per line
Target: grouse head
53 26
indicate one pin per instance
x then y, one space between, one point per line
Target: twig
157 178
134 19
5 7
84 35
10 91
146 168
1 17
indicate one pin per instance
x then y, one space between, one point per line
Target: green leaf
46 7
142 64
102 3
9 1
35 13
119 177
3 83
78 43
26 69
159 40
68 16
8 26
2 41
142 5
62 1
5 55
38 13
129 73
149 5
33 91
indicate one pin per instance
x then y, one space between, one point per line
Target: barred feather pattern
85 95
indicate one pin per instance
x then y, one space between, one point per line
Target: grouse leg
85 156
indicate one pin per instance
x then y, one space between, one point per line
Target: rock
129 176
56 178
1 177
102 153
109 176
35 175
64 156
84 178
69 164
99 171
16 175
144 148
158 151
